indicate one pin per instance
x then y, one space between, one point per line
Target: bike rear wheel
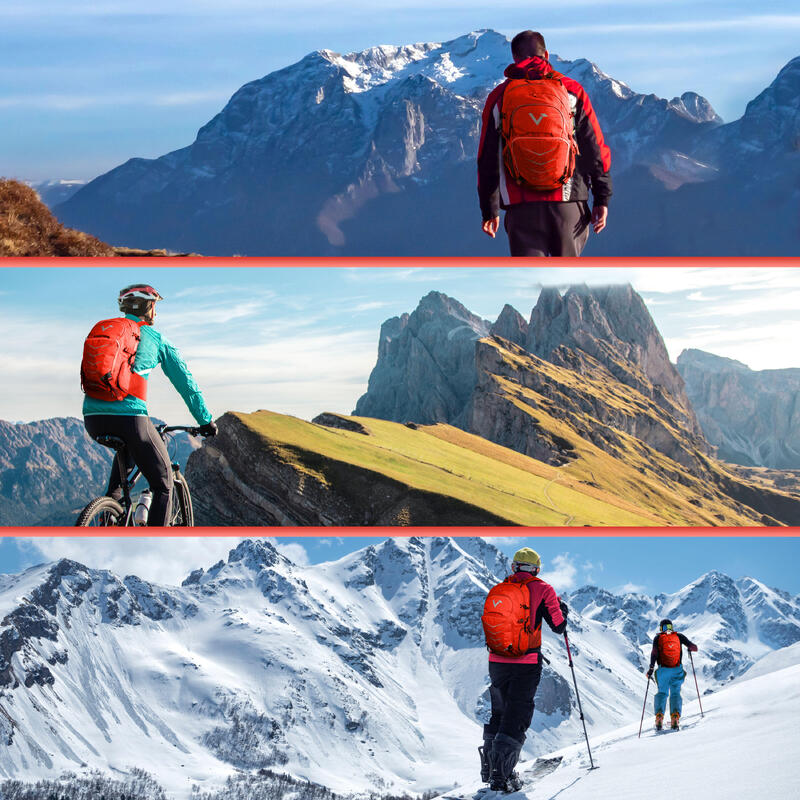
102 512
181 514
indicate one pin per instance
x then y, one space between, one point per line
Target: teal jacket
154 350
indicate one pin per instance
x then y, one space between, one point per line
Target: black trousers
547 228
512 691
146 450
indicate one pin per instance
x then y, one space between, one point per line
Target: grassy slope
631 469
451 463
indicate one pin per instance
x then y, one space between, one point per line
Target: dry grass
28 228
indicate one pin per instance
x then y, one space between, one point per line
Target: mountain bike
107 512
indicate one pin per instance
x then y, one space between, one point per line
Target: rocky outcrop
593 375
438 367
243 478
426 363
753 417
611 324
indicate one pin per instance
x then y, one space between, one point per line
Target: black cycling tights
146 450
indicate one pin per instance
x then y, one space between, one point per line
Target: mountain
375 660
51 468
590 390
349 145
53 192
753 417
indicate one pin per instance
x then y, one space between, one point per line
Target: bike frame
130 478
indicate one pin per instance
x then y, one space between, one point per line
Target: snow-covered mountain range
375 661
346 146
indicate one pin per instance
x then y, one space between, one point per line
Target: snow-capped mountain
348 145
375 661
54 192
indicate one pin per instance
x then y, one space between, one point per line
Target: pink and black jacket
544 606
497 190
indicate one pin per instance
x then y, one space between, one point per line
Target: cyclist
128 419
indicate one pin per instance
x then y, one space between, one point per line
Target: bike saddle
113 442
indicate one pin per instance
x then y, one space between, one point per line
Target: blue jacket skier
668 653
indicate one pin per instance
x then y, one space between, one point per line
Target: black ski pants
512 691
146 450
547 228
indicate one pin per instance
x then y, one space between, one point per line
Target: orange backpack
107 364
539 147
669 649
507 619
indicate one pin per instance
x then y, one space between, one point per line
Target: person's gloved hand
209 429
564 608
692 648
649 673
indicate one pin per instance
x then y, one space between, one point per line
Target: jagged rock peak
611 324
438 305
511 325
255 554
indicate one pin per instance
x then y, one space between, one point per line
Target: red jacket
497 190
544 605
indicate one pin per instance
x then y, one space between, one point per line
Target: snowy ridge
375 660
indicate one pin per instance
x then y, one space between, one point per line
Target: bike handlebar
191 430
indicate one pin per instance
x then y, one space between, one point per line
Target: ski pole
696 686
644 705
577 695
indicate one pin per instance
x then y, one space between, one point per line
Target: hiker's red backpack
107 364
539 148
669 649
507 619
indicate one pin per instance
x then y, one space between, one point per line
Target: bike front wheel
102 512
181 514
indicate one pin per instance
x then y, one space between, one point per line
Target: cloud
294 551
630 588
563 573
163 559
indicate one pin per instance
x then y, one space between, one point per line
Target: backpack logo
496 603
538 119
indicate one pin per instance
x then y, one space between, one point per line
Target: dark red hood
531 67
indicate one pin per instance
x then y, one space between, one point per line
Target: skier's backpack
506 619
669 649
107 364
539 147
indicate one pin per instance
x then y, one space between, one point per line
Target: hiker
116 392
541 150
515 662
667 651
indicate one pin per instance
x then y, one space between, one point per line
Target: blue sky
304 340
646 564
87 84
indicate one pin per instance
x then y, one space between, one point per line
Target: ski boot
504 757
674 720
659 720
